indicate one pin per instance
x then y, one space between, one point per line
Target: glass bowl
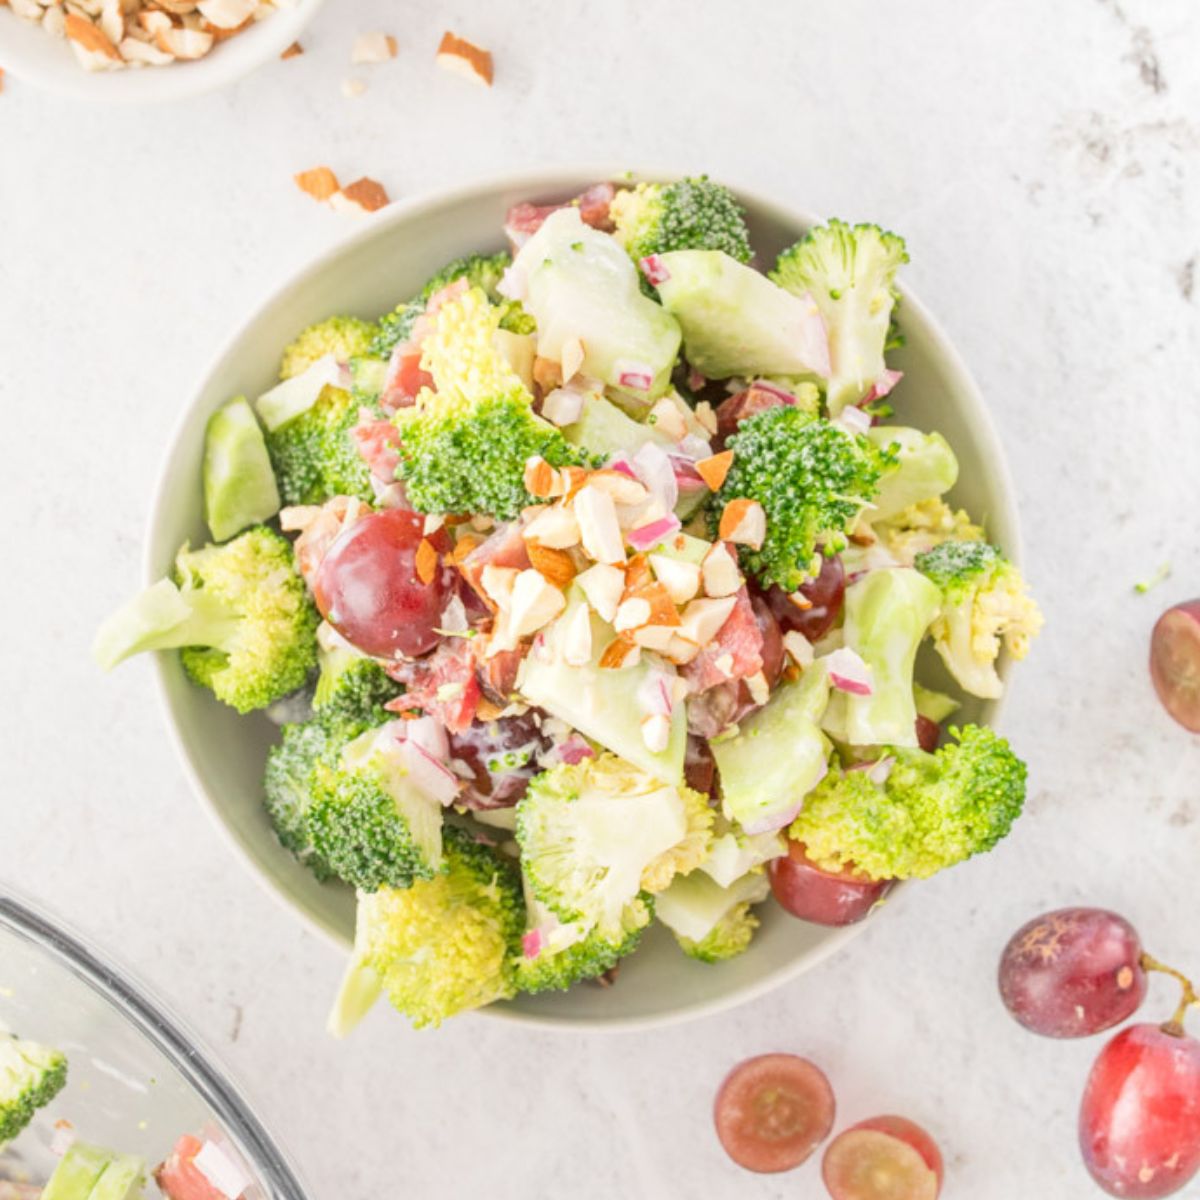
136 1080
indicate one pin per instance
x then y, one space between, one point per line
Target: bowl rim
172 1038
537 181
148 85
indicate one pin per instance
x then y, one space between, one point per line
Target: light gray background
1042 161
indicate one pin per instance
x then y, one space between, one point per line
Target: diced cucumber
777 756
77 1172
603 428
239 485
598 701
735 320
298 394
693 905
366 378
925 469
580 284
934 706
122 1179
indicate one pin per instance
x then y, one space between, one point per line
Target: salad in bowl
588 585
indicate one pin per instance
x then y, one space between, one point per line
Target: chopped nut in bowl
117 50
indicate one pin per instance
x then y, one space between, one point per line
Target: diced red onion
854 420
645 536
620 463
638 377
654 694
563 406
814 340
574 750
694 446
654 469
430 735
763 385
695 379
884 384
531 943
654 269
848 672
429 775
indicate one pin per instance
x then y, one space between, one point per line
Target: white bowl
369 274
33 55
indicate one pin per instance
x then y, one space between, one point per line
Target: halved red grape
884 1158
824 595
367 586
773 1111
824 897
1073 972
1175 663
1139 1123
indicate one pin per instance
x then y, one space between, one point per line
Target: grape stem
1175 1025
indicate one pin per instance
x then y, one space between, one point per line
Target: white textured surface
1043 162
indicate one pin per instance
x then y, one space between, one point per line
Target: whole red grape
1175 663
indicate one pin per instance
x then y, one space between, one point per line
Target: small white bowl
368 274
33 55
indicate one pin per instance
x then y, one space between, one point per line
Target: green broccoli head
30 1077
441 946
712 922
849 270
692 214
481 271
813 481
343 337
288 791
933 811
352 690
729 937
984 600
597 834
239 611
368 821
556 956
313 454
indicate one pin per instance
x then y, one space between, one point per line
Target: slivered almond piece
681 650
662 607
602 585
463 546
227 15
133 50
373 47
667 419
112 22
292 51
724 664
706 415
461 57
535 602
619 486
89 37
541 479
637 574
572 358
577 638
425 561
744 522
153 21
631 614
757 684
54 22
620 652
359 198
223 35
719 571
599 529
681 579
320 183
800 600
573 478
188 44
555 527
714 469
702 619
799 648
654 637
497 583
656 732
557 565
547 374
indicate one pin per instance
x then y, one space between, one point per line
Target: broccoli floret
812 479
439 947
849 272
597 834
984 599
933 811
313 454
239 611
922 526
30 1077
464 448
480 270
692 214
711 922
924 468
367 819
352 689
343 337
556 956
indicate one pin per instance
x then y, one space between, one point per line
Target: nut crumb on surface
461 57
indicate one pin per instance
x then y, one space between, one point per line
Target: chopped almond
547 374
223 35
555 527
577 638
153 21
724 664
292 51
485 710
557 565
599 529
497 584
681 650
227 15
603 585
654 637
662 607
631 614
656 732
465 544
619 486
744 522
573 478
799 648
800 600
714 469
719 571
620 652
702 619
133 50
681 579
535 602
360 197
425 561
320 183
541 479
572 358
90 37
667 419
637 574
760 692
707 416
463 58
187 44
373 48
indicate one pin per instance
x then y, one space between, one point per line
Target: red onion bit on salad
654 269
531 943
848 672
650 534
637 376
883 384
813 339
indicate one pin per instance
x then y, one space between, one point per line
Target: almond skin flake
320 183
425 561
